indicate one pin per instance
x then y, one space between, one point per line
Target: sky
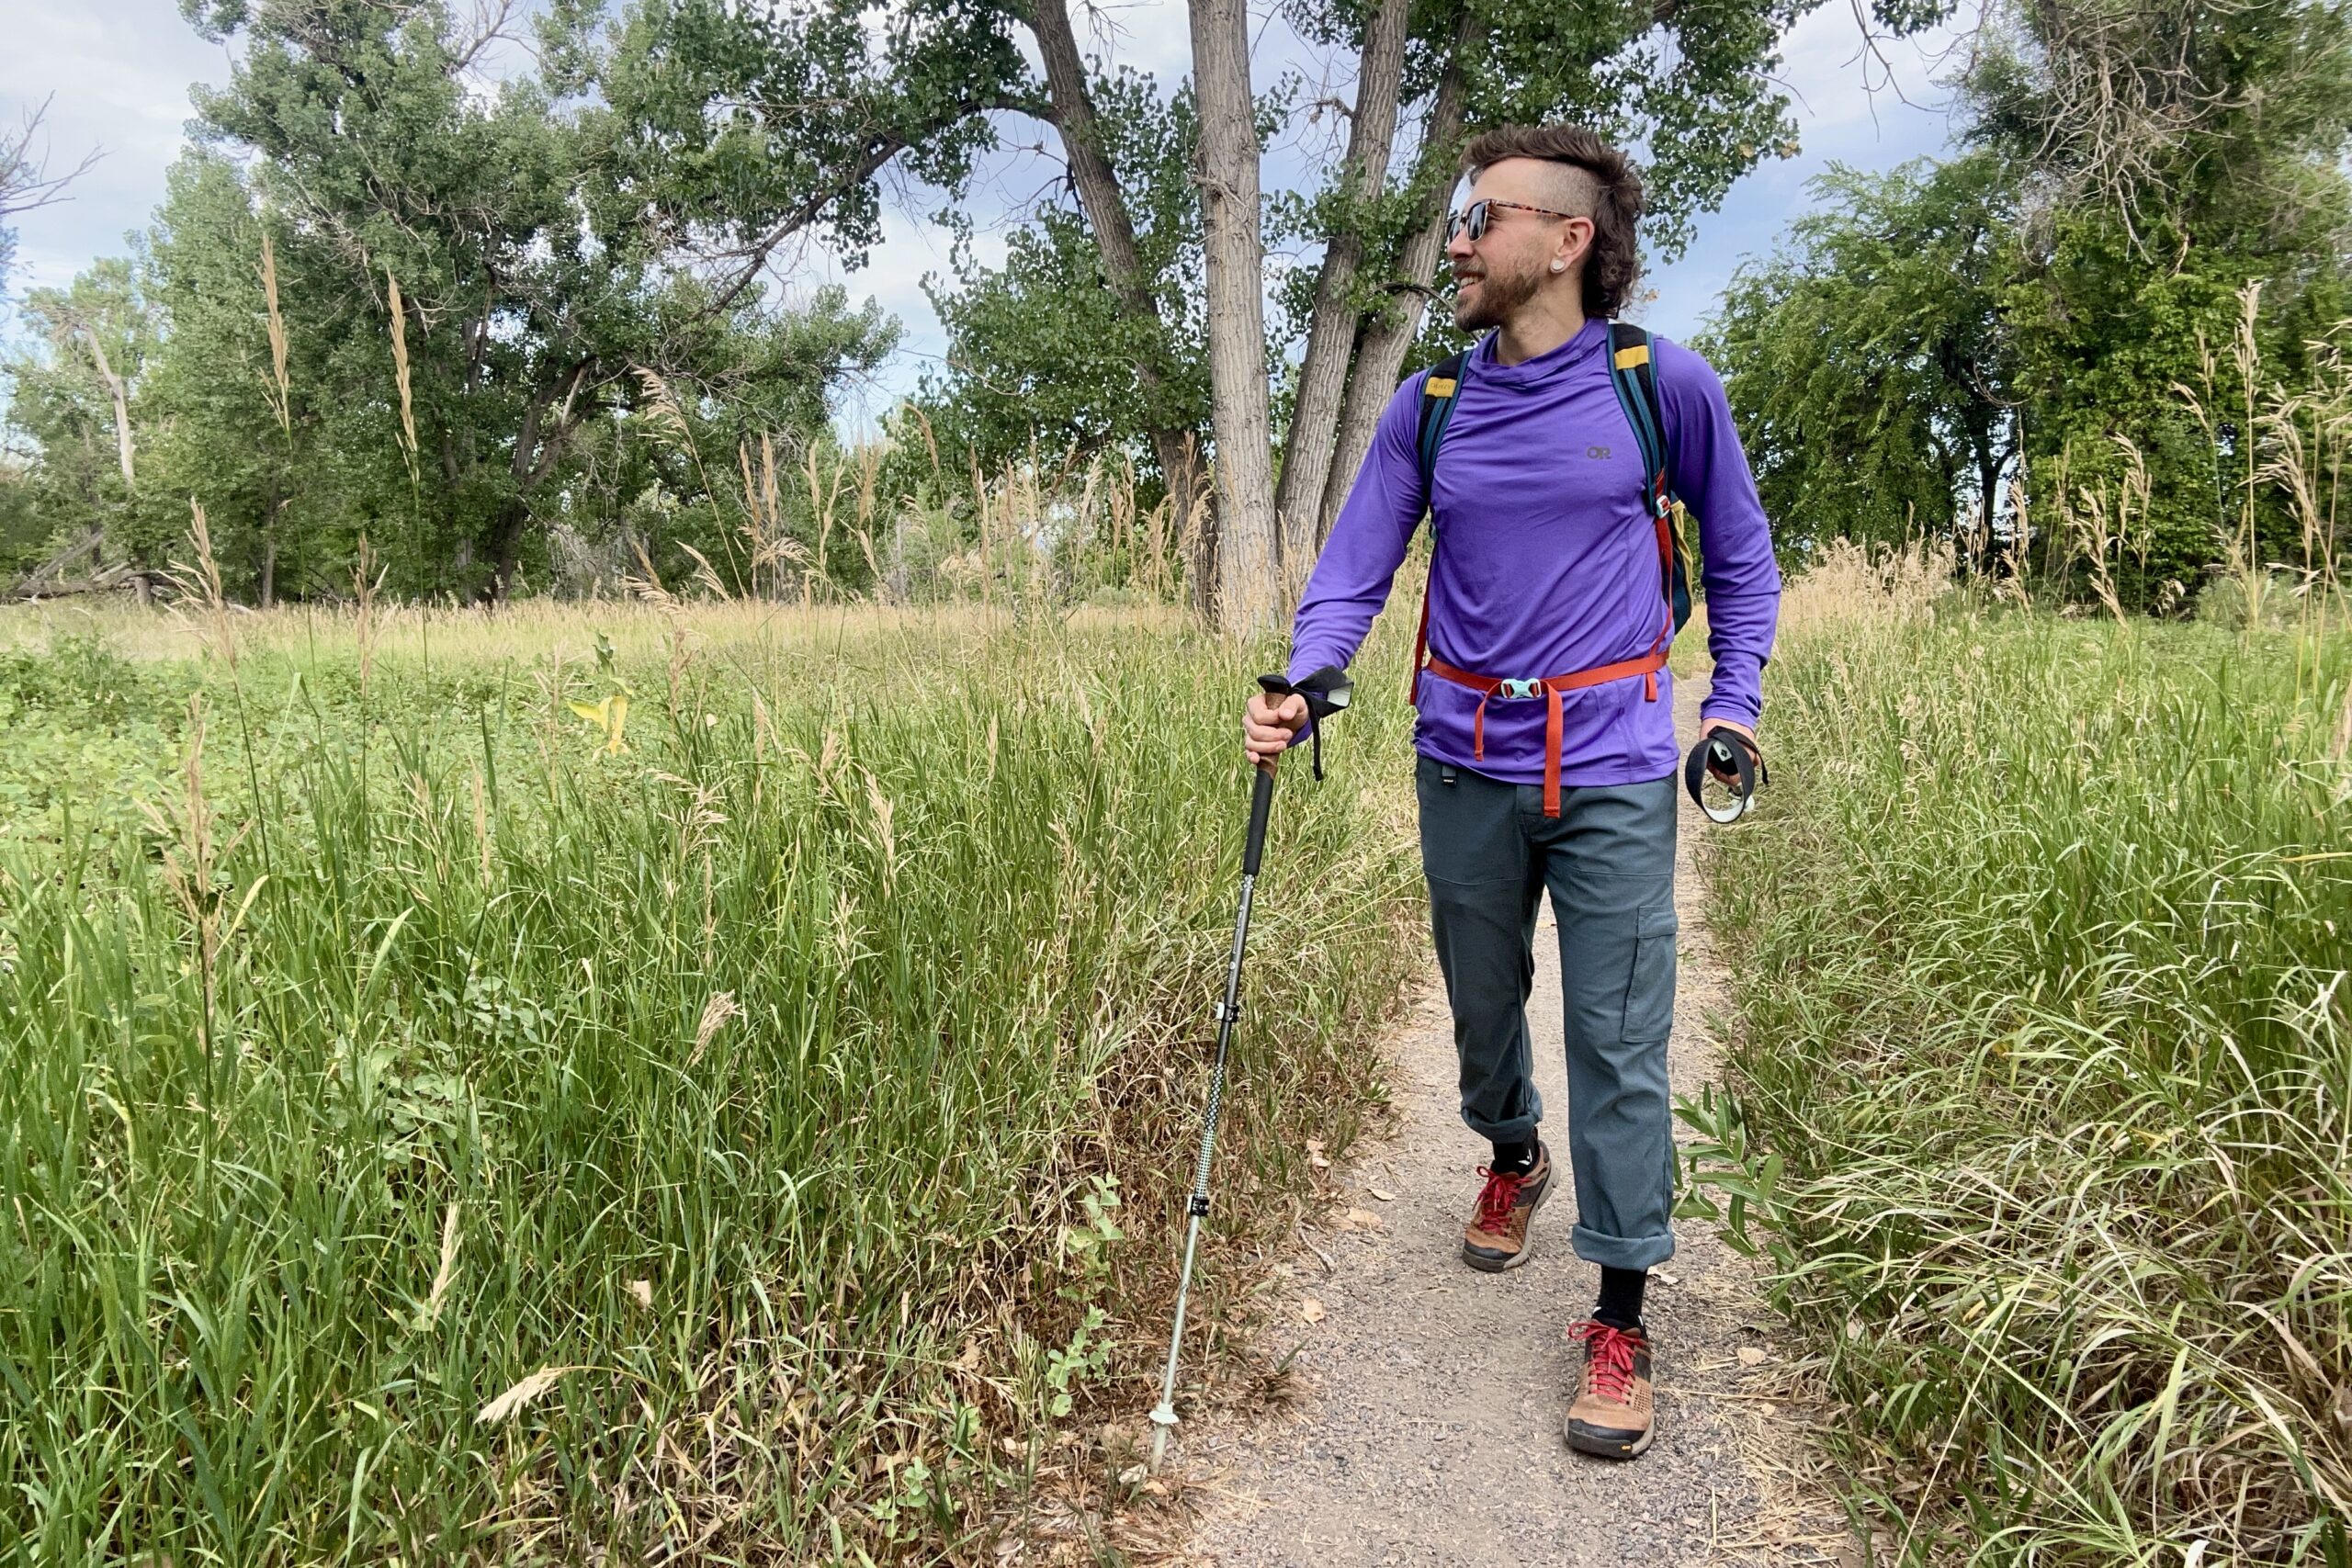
115 76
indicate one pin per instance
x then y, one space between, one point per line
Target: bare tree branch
25 185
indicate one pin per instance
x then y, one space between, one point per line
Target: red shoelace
1495 1198
1608 1359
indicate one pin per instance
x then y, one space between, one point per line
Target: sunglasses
1473 219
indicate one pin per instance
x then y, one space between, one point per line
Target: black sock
1621 1298
1514 1159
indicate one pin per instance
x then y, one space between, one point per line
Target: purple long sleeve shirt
1546 560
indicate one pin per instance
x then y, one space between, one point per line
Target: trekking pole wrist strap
1731 749
1326 692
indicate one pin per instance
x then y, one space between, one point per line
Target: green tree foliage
1868 361
542 253
2211 161
587 258
2125 175
97 327
306 485
1040 350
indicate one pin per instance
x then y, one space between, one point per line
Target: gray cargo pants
1490 852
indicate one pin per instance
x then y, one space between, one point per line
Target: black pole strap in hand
1326 691
1725 748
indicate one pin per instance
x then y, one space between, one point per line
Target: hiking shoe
1612 1414
1495 1237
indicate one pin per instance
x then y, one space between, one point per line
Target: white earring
1559 266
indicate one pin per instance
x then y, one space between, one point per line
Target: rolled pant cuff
1518 1130
1622 1252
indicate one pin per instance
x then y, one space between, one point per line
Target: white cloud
116 73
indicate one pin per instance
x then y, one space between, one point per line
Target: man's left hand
1724 773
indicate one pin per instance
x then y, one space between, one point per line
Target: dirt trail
1422 1424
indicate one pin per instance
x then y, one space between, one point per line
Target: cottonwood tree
2169 155
1249 564
1087 142
1690 86
285 469
1044 350
957 71
1336 309
1705 103
2032 307
555 236
73 387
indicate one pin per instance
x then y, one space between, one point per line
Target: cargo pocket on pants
1649 989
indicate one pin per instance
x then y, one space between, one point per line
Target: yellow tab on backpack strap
1629 358
1439 387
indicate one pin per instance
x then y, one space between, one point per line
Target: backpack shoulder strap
1633 371
1439 391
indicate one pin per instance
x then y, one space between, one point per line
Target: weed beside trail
2045 1048
725 1100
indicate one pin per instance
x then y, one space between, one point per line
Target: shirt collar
1585 344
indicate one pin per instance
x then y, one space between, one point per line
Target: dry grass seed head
401 369
280 390
521 1396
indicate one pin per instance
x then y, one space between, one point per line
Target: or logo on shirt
1596 451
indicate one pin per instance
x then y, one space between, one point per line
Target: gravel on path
1424 1425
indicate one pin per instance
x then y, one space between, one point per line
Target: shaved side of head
1570 188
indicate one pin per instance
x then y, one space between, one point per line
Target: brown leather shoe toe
1495 1237
1612 1415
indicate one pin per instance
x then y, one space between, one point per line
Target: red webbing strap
1485 685
1421 646
1666 555
1551 750
1646 666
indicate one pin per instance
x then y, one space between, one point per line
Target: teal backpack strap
1440 391
1440 388
1633 373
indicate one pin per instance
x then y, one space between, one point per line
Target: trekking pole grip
1262 804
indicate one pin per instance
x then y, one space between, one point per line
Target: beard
1500 295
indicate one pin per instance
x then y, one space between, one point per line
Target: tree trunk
1249 546
1331 330
506 549
1381 345
270 514
1105 207
42 578
122 396
1989 465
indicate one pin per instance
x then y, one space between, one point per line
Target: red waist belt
1646 666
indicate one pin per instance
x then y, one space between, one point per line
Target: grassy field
448 1116
2044 1057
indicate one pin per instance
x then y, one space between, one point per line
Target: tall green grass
430 1136
2044 1052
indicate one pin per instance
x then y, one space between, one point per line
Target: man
1547 566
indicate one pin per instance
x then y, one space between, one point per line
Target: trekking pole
1326 691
